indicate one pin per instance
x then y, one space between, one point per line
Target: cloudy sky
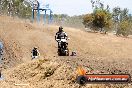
78 7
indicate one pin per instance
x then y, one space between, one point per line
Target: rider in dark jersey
61 35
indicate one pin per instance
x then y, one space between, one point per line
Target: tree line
70 21
20 8
101 19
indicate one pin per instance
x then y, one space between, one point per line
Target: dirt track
102 53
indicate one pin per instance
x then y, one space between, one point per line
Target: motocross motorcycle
63 47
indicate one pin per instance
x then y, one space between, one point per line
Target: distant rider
61 35
1 52
35 53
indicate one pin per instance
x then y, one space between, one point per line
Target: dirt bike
63 47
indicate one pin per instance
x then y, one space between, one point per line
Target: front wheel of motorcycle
67 52
59 52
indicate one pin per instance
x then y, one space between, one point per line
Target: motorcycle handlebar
62 39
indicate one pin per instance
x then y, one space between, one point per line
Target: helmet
60 28
35 47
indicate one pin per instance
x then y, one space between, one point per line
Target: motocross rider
61 35
35 53
1 51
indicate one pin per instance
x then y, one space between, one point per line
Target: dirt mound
43 73
96 52
36 73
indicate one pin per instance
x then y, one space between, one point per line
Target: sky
79 7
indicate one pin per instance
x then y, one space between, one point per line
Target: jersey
35 52
61 35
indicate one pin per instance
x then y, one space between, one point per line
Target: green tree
116 14
100 19
3 6
123 24
124 28
15 8
88 20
